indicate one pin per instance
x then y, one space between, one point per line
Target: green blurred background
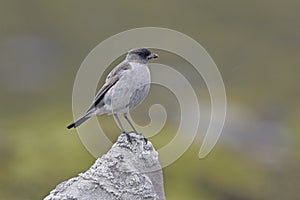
256 45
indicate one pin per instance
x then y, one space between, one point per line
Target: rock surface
128 171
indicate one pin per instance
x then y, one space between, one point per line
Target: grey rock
127 171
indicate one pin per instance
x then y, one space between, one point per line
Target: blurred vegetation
255 44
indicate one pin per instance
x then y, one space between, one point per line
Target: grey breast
138 96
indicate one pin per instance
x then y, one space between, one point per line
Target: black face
142 53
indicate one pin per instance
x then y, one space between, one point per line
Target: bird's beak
152 56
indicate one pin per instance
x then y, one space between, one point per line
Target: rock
128 171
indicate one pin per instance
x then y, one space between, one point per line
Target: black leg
122 128
129 122
119 122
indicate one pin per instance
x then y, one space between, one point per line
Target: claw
128 137
145 140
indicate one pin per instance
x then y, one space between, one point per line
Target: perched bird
126 86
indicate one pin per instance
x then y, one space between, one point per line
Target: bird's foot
145 140
128 137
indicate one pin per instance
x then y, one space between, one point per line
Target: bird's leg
119 122
122 128
129 122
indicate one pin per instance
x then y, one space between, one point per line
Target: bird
125 87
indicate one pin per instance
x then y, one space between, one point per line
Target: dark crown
142 52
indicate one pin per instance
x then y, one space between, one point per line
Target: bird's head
140 55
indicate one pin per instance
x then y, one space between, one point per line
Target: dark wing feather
110 82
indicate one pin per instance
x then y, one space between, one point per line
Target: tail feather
78 121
